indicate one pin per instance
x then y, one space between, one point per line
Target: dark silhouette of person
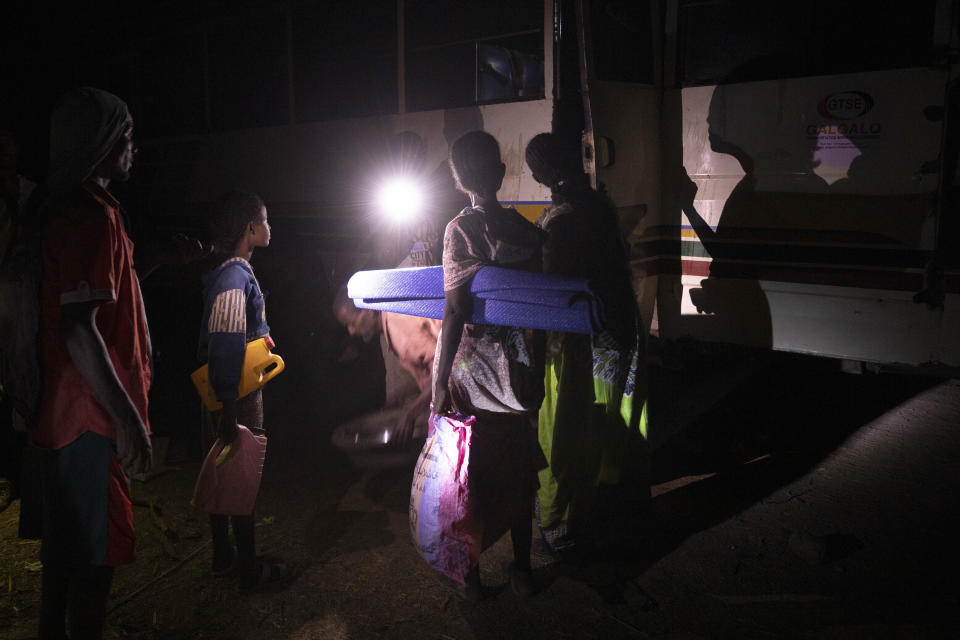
773 198
95 350
492 372
592 423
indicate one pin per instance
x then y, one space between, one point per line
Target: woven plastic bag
445 530
229 478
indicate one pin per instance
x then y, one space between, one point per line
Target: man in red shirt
95 351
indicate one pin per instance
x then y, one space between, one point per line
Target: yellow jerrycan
260 365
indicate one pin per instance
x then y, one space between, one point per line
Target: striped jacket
233 314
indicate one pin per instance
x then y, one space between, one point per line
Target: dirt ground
804 504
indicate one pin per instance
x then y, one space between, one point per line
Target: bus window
734 41
460 53
621 40
440 78
344 59
509 69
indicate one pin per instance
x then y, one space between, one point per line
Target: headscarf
84 127
552 162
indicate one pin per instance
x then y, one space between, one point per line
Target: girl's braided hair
552 161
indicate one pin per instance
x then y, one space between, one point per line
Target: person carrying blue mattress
489 371
593 421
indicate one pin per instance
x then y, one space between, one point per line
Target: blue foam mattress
500 296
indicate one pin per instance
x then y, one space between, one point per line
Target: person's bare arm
180 249
687 190
457 308
89 353
227 421
415 344
407 424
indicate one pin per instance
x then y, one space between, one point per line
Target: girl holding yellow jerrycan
260 365
236 346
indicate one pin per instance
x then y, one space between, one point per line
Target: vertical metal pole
207 122
291 93
401 60
587 140
944 39
551 12
669 49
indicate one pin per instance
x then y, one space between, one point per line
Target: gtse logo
846 105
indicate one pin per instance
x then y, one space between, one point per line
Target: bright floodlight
399 199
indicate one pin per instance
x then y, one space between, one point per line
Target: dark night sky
151 54
45 44
155 54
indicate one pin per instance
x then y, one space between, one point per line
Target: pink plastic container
229 479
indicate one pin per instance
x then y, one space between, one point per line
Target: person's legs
54 584
223 553
87 529
246 547
521 535
88 594
257 572
254 572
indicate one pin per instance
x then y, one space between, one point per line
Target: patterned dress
593 423
497 373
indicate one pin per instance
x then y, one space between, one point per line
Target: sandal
472 591
521 581
267 575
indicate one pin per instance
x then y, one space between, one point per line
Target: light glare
399 199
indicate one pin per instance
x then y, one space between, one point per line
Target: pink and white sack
445 530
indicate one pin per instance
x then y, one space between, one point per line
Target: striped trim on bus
848 259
